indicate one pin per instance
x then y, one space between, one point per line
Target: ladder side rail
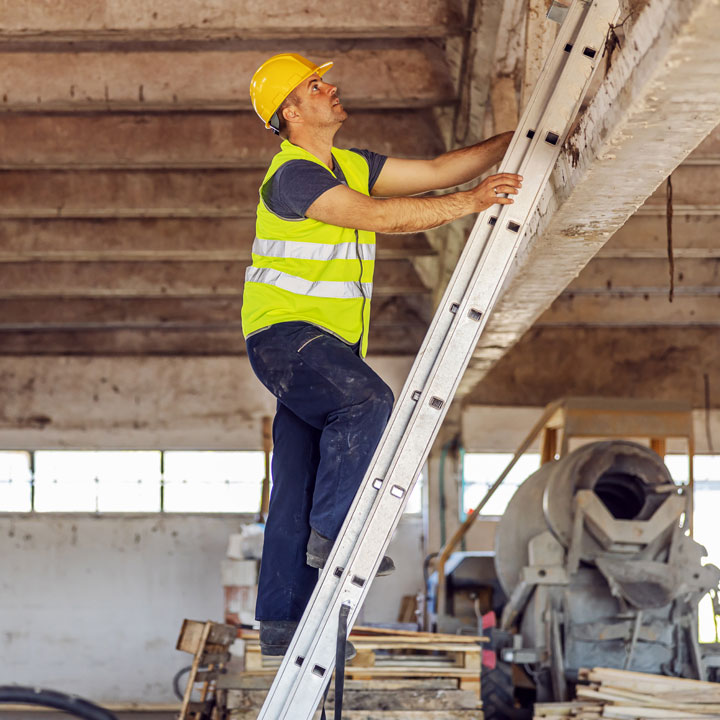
412 480
456 288
406 475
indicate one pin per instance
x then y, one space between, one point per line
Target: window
213 481
15 482
706 471
97 481
183 481
481 470
130 481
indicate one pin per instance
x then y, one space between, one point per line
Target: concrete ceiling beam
658 100
646 236
691 185
220 312
498 428
666 363
138 21
190 140
190 239
708 148
638 310
401 75
396 340
163 279
141 402
129 193
648 275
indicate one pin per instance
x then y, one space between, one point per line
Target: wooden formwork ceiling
130 161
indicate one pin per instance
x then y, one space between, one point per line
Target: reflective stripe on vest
300 286
313 250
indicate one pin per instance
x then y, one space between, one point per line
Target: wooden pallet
623 695
209 643
386 655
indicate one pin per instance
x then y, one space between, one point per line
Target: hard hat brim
320 70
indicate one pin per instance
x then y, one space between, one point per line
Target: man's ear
291 114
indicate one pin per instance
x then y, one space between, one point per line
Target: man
306 310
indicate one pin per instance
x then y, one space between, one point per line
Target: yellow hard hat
275 79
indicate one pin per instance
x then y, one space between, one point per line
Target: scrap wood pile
396 675
398 699
623 695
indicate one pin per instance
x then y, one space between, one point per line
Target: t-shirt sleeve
295 186
375 163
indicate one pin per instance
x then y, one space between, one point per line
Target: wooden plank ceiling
130 162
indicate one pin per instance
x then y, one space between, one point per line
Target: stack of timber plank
624 695
396 675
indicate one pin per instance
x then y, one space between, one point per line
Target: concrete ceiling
130 162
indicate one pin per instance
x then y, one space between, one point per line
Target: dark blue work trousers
331 412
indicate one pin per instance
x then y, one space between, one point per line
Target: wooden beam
398 74
186 239
660 84
200 140
163 279
638 310
115 21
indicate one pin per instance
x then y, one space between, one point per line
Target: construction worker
306 309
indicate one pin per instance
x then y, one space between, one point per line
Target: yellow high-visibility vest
308 270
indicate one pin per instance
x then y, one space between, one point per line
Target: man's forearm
464 164
344 207
402 215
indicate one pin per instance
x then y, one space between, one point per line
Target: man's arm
410 177
347 208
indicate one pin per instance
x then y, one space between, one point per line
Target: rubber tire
72 704
498 695
179 693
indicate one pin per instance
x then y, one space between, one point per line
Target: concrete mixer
594 557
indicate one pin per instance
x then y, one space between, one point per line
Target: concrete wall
93 604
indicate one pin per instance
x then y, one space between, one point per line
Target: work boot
318 551
275 637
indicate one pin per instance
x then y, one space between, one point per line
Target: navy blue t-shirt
297 184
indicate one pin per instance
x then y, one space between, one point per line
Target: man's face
318 103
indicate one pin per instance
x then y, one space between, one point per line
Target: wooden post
691 484
659 446
267 449
549 445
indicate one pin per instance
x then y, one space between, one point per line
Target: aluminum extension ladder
469 298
